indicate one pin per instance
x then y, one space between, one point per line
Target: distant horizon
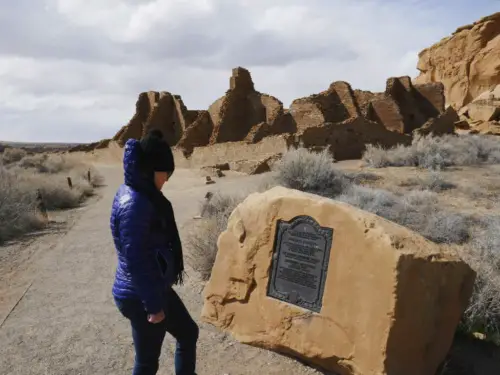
71 76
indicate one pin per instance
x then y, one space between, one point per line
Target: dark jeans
148 337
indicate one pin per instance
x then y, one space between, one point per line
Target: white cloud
70 70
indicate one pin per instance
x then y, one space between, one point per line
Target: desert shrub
204 233
417 211
311 172
483 313
13 155
17 208
436 152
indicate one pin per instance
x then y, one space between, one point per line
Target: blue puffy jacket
143 249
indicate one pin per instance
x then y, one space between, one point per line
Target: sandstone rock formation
486 107
391 302
243 108
482 115
467 63
487 128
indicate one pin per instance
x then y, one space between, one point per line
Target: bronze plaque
300 262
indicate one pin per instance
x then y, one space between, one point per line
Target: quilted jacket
141 242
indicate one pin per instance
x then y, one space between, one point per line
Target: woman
150 258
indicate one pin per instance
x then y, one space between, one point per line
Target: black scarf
166 213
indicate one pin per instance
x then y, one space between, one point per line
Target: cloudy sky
70 70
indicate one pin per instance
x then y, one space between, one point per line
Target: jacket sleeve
135 221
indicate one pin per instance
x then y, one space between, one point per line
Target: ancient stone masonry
158 110
467 62
340 118
236 114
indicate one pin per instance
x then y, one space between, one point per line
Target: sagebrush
483 313
436 153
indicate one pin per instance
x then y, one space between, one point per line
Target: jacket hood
134 175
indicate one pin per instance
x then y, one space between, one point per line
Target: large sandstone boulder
242 108
391 299
467 63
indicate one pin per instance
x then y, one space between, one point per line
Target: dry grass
22 178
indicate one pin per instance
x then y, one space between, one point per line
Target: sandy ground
57 315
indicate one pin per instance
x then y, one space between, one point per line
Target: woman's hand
156 318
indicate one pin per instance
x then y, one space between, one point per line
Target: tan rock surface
391 301
486 107
467 62
487 128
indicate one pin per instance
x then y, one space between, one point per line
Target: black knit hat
157 155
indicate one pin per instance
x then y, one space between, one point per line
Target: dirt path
57 315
